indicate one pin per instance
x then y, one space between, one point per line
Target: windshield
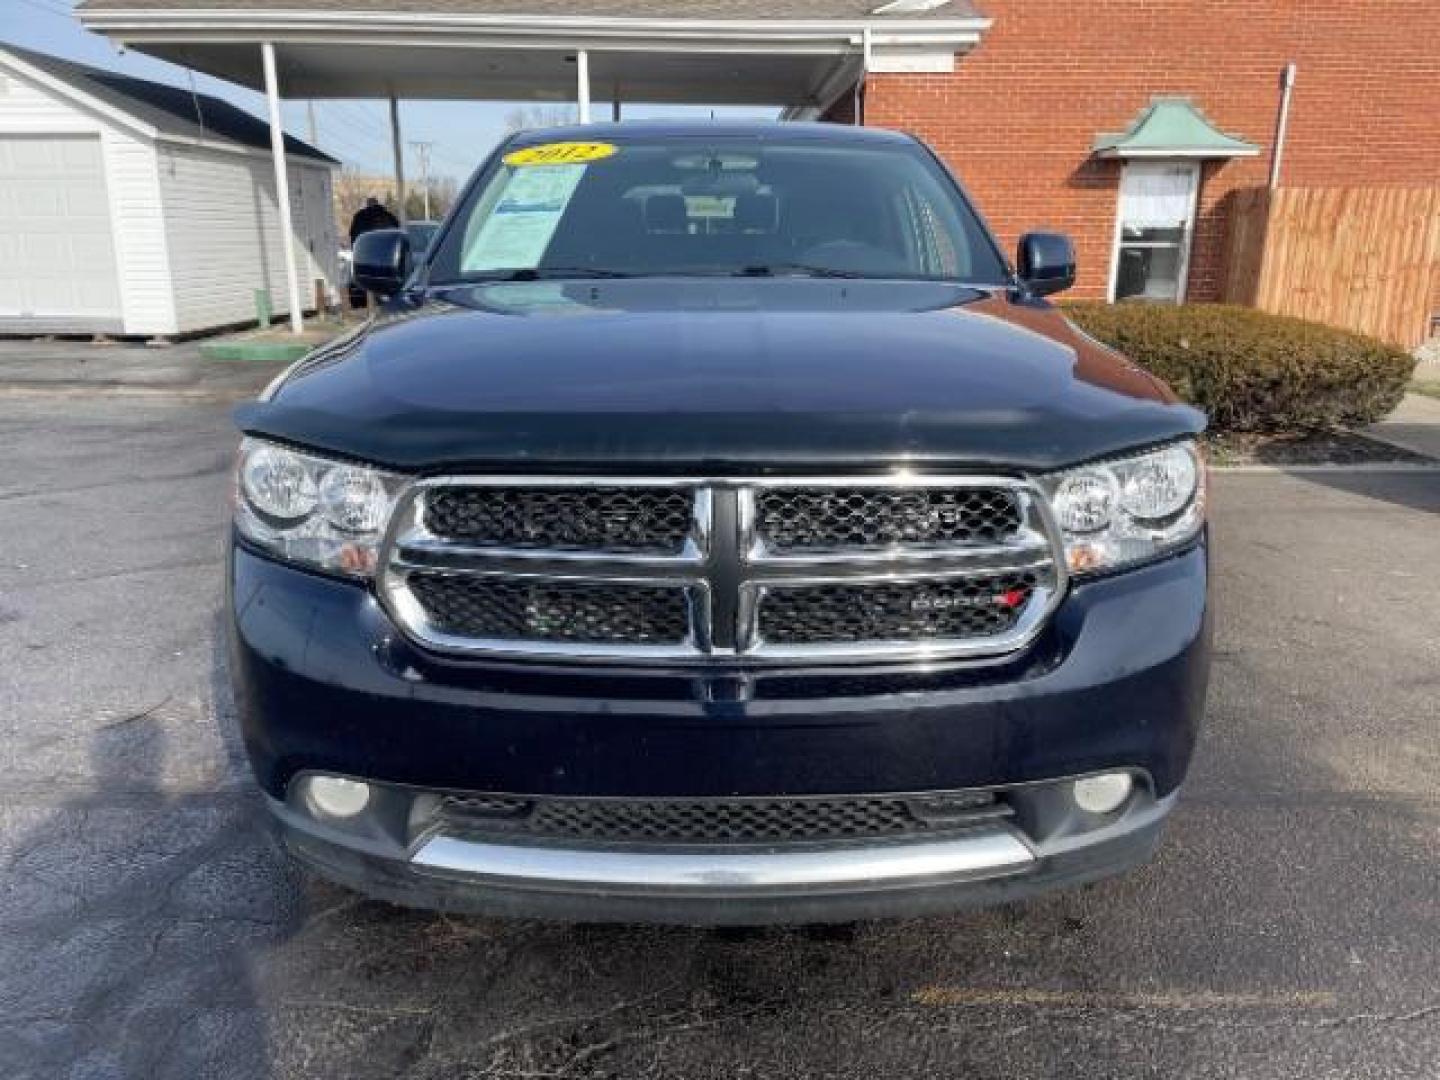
753 207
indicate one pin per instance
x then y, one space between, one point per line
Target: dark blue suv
714 527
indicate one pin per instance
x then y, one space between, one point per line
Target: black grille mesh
515 609
624 519
580 606
776 820
798 519
952 609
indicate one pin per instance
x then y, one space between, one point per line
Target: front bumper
326 684
727 885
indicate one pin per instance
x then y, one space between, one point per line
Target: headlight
326 514
1117 513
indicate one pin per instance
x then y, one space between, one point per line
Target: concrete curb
1405 440
250 351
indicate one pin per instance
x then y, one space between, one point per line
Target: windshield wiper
552 273
796 269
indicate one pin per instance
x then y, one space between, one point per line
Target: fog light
336 797
1103 794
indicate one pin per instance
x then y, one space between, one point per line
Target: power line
347 147
368 141
195 99
353 138
353 114
368 130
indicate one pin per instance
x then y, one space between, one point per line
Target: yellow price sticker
561 153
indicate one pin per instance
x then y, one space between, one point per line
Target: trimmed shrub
1251 371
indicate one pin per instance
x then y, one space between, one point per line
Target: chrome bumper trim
983 853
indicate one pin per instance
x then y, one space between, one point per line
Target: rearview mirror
382 261
1046 262
720 185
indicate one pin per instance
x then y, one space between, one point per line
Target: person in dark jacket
370 217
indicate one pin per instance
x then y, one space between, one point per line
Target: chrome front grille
694 570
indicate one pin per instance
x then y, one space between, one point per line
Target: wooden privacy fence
1362 258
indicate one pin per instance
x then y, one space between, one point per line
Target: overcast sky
356 132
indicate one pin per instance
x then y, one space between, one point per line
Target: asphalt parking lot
1289 928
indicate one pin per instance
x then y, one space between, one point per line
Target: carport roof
772 52
708 10
169 110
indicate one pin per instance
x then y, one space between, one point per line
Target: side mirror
1046 262
382 261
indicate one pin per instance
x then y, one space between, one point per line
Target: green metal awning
1173 127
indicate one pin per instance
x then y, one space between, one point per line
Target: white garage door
57 255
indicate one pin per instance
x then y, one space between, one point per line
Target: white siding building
131 207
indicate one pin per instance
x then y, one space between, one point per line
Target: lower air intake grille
514 609
733 821
950 609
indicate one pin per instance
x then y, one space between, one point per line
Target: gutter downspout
1287 87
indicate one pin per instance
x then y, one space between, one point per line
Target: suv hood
716 373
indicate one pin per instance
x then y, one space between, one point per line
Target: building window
1154 226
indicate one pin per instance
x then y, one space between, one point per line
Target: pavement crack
386 1012
121 572
516 1034
131 718
1423 1013
220 468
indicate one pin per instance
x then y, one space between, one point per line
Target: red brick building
1018 116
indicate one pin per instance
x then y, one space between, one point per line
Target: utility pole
313 132
422 151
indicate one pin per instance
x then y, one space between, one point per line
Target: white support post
399 154
282 186
582 84
866 59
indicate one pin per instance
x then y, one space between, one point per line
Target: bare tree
443 190
530 117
